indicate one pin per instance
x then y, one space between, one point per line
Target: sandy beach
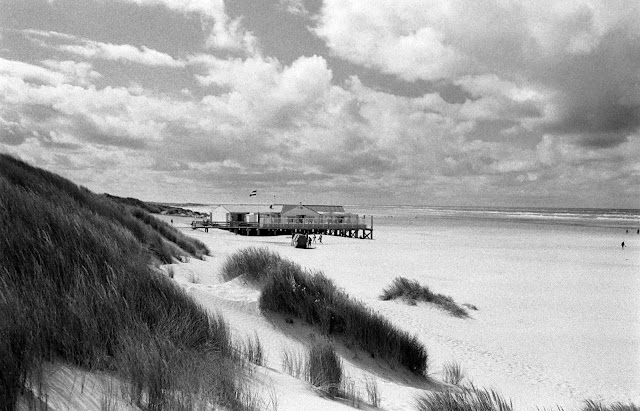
558 313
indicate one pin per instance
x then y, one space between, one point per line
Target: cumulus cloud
572 63
110 116
262 91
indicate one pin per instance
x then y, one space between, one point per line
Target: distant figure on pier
623 245
320 238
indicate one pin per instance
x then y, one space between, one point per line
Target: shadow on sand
306 334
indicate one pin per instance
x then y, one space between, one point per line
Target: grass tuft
453 374
464 399
373 392
591 405
324 368
256 264
289 289
411 291
294 362
251 350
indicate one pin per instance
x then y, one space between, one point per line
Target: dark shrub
412 291
312 297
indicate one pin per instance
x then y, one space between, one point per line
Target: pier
351 228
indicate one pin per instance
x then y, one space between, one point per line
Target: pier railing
297 223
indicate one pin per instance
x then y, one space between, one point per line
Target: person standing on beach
314 239
623 245
320 238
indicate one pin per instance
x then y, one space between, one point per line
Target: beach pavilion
273 219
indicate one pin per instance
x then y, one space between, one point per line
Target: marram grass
411 291
289 289
77 285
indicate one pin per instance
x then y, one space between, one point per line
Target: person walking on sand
314 239
623 245
320 238
308 241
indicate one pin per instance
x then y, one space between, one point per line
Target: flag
253 193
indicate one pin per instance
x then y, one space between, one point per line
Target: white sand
558 319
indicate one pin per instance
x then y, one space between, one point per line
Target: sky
434 102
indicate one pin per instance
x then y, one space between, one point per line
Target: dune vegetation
79 285
289 289
411 291
471 398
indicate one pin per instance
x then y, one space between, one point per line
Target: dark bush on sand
289 289
255 264
412 291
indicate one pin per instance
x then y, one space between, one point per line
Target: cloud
142 55
263 92
110 116
91 49
225 33
295 7
546 104
571 65
30 72
398 38
80 73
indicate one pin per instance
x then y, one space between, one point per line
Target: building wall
220 214
300 211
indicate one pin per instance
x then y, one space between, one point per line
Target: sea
587 217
